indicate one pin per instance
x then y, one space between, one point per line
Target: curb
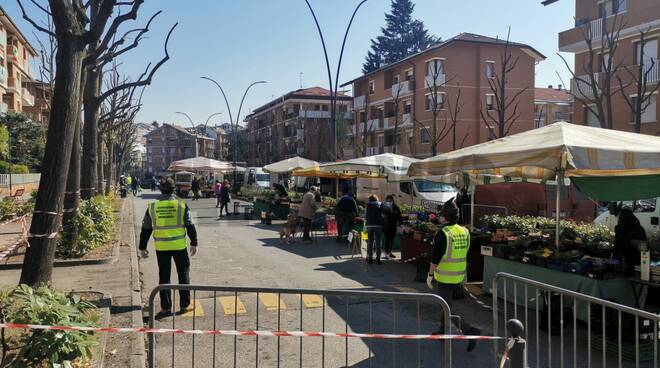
138 348
106 303
73 262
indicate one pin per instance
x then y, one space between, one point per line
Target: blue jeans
375 234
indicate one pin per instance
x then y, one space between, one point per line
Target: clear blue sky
237 42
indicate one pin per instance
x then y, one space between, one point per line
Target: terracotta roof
552 95
463 37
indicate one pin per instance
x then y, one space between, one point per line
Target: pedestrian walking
135 183
307 210
448 266
393 219
346 209
195 189
154 183
375 220
217 188
168 219
225 197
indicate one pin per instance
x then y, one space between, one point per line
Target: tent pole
472 192
560 179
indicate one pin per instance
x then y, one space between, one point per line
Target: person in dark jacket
195 189
393 219
224 197
628 234
374 226
346 210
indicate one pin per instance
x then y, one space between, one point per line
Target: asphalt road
235 252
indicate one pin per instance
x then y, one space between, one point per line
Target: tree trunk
99 163
72 195
90 134
111 175
38 263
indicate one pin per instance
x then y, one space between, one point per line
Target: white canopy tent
289 165
203 164
553 152
386 165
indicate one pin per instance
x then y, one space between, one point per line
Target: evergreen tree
402 36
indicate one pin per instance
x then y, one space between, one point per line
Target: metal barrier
19 179
621 336
246 308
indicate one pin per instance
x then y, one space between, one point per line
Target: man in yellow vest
449 264
168 219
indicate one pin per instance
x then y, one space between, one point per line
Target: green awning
619 188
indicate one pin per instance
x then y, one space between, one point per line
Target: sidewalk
118 280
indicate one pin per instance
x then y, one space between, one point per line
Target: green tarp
619 188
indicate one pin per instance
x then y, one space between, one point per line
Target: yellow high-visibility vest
451 269
167 219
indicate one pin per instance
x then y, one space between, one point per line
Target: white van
257 177
417 192
646 210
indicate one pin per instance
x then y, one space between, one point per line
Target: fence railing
571 329
19 179
342 311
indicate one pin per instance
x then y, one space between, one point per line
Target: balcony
579 86
4 108
439 81
28 98
406 119
652 74
388 149
402 89
359 101
311 114
300 134
15 85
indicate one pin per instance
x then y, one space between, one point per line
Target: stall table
620 289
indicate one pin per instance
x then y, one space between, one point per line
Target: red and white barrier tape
7 252
244 333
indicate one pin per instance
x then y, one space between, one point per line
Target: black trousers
182 263
390 236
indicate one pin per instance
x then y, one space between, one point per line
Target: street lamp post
235 128
195 130
334 86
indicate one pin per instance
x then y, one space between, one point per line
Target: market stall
596 160
205 166
289 165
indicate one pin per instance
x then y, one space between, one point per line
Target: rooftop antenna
301 80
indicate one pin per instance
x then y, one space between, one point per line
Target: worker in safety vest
448 265
168 219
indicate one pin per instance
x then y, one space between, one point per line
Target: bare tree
644 77
368 129
103 48
594 90
396 101
435 103
504 107
454 109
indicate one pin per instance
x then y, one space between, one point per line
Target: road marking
229 304
474 289
270 301
196 311
312 301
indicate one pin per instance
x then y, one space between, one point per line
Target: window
490 69
645 206
490 102
611 7
381 141
406 187
409 75
559 116
435 67
372 87
424 136
407 108
649 114
395 80
430 105
650 53
363 116
591 118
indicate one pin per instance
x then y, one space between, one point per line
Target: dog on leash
288 229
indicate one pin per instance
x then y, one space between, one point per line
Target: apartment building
295 124
16 75
170 142
552 105
595 19
402 94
